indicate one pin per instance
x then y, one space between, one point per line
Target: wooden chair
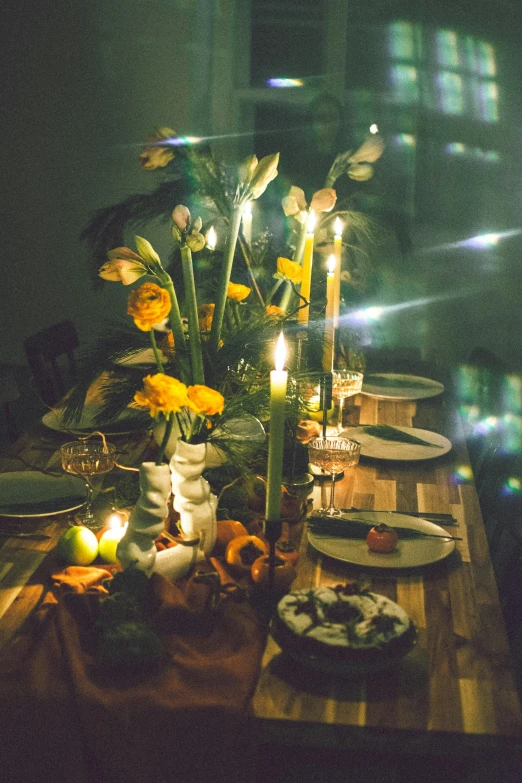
50 354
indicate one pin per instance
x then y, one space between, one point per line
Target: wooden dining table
448 710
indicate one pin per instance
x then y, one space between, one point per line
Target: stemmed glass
345 383
87 459
333 455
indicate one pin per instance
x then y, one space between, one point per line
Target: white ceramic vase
146 522
213 456
193 500
147 518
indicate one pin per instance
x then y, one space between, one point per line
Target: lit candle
246 223
329 329
307 268
338 244
109 541
211 238
278 383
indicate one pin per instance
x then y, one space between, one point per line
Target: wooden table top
456 683
458 679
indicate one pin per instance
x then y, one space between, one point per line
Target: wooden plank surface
457 681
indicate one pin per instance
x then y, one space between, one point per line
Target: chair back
50 354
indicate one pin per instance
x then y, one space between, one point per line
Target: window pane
404 83
446 44
450 92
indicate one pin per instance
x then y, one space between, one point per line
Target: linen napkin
62 719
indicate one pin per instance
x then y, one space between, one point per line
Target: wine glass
345 383
333 455
87 458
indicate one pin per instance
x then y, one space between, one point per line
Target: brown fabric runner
61 719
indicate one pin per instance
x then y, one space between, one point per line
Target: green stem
285 299
246 252
299 248
196 354
235 313
156 351
226 270
166 436
175 315
273 291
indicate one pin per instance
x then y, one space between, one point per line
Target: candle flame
311 222
211 238
280 353
331 264
247 209
116 521
338 226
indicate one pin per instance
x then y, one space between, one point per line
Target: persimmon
242 551
284 573
382 538
227 529
287 551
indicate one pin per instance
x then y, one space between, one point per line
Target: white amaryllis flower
186 232
122 271
295 203
254 177
124 266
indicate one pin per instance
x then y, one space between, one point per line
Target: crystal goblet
334 455
345 383
87 459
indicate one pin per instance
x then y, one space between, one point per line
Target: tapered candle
278 383
338 244
211 238
246 223
308 255
329 328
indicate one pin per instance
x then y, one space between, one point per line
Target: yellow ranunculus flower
162 394
273 311
204 400
205 316
148 304
292 270
238 292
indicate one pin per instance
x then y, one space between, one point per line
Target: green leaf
385 432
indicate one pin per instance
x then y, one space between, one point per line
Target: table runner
61 719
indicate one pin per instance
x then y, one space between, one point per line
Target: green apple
77 546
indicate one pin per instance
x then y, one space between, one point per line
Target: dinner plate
33 494
394 386
123 425
410 552
379 448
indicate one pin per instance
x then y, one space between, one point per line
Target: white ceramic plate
32 494
379 448
394 386
410 552
123 425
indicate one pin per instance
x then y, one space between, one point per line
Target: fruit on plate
77 546
242 551
227 529
382 538
284 573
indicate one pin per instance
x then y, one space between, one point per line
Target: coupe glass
334 455
87 459
345 383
